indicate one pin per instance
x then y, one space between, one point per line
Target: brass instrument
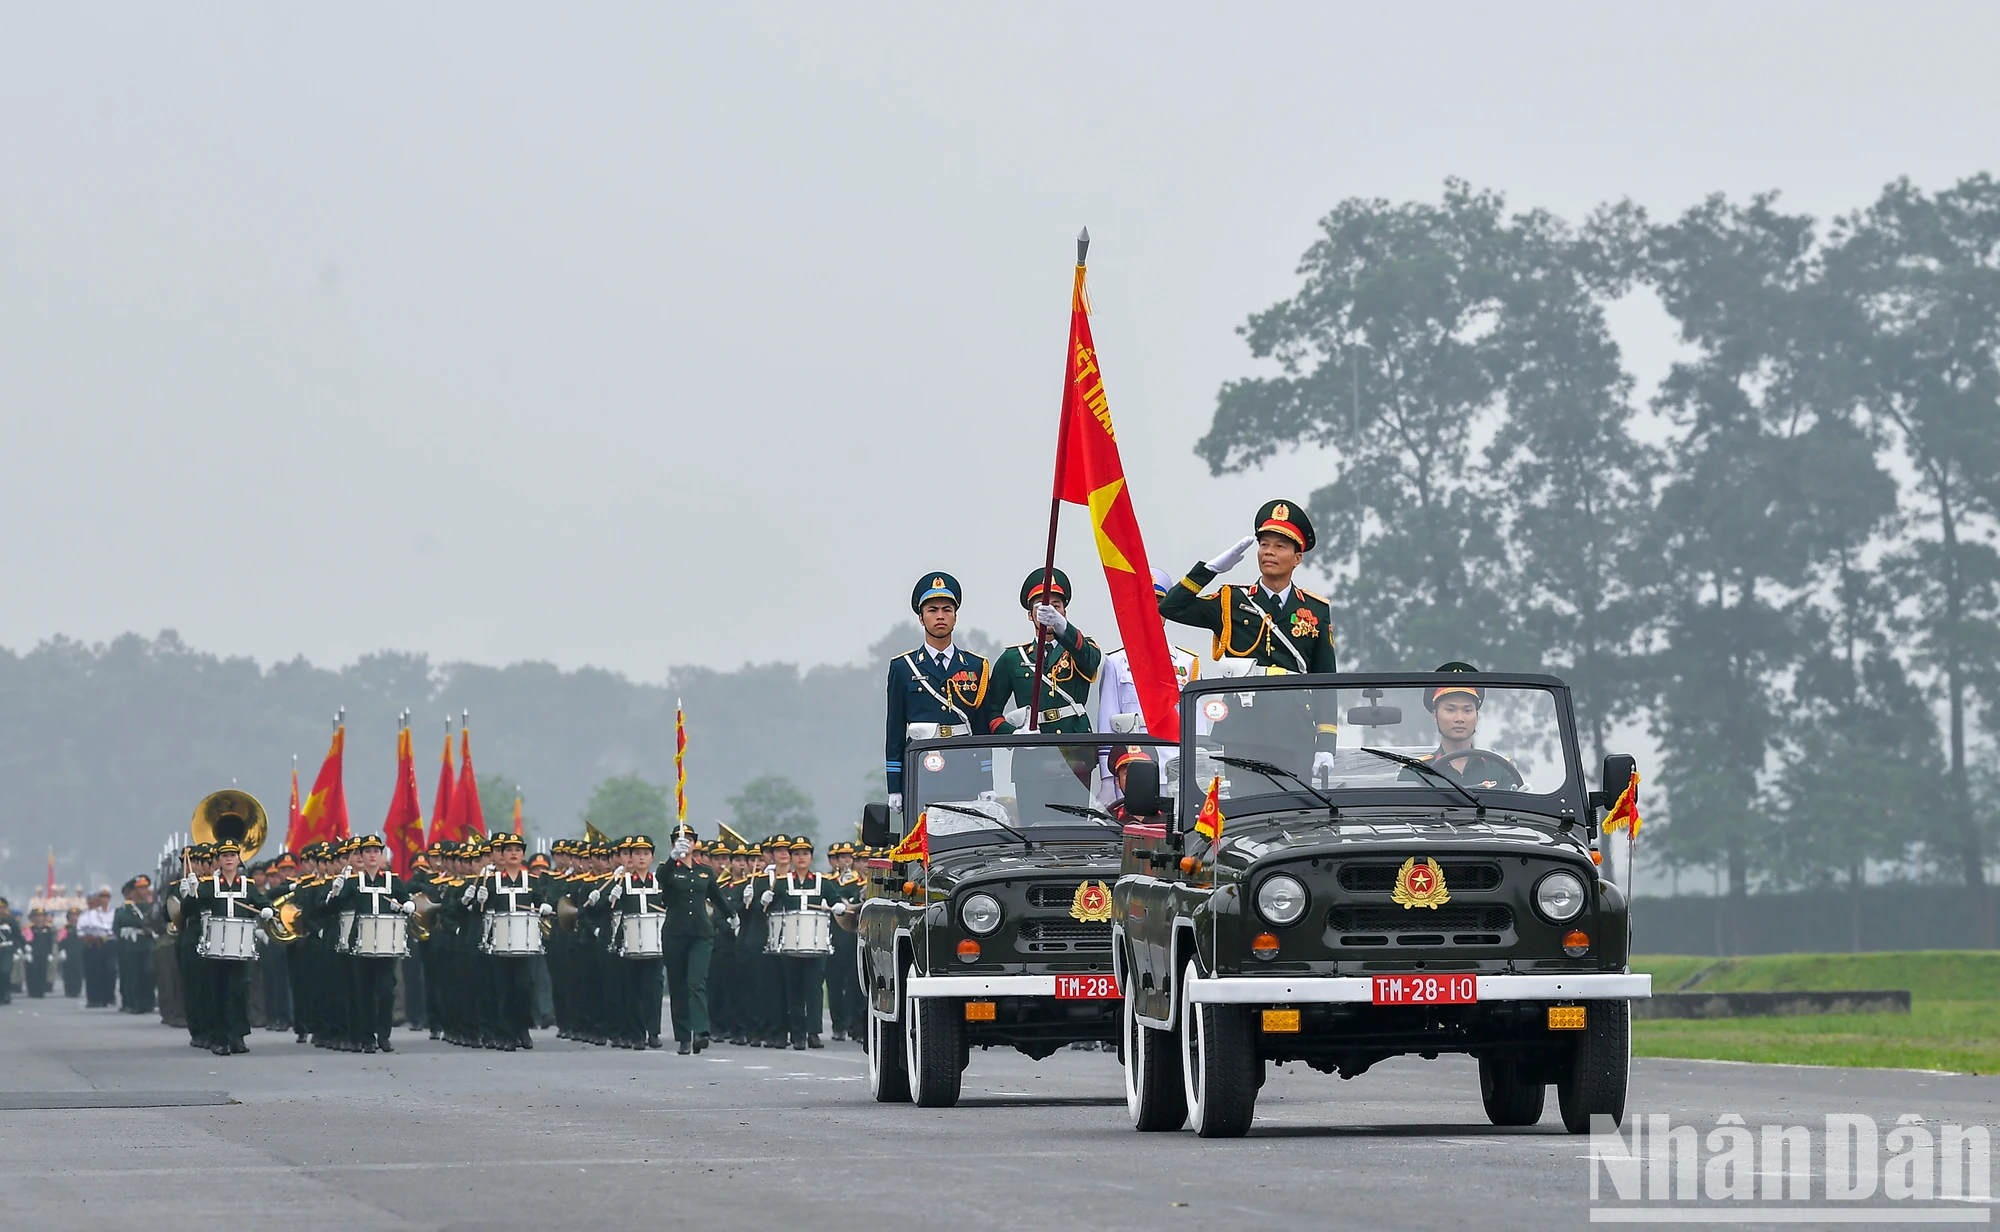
230 814
420 919
283 926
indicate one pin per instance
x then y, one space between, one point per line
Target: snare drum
231 940
378 936
343 937
512 934
801 933
639 935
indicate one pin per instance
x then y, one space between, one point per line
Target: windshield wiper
1078 810
966 812
1424 767
1277 773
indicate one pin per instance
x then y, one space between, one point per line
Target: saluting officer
1273 623
940 683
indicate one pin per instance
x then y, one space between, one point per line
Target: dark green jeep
1405 864
1002 936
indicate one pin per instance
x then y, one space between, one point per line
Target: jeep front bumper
1322 990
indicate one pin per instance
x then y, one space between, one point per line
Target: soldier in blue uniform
940 683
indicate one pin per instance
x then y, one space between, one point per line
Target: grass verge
1951 1024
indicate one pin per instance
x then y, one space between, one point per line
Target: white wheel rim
1194 1058
913 1043
1134 1076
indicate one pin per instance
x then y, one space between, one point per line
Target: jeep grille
1458 875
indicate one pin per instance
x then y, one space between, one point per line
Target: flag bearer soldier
1273 623
803 976
373 891
228 894
843 981
1070 665
134 929
942 684
508 886
691 890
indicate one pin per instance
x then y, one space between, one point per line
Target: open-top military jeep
1003 936
1405 865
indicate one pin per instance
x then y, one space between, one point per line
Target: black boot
702 1041
813 1041
653 1041
682 1050
525 1041
385 1045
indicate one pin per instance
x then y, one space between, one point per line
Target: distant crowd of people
101 953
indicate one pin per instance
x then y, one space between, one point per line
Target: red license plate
1086 988
1426 989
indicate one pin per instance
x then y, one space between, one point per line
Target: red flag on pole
1090 472
467 818
517 808
441 803
324 815
403 829
295 829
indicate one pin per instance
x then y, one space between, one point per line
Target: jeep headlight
1559 897
1281 899
980 913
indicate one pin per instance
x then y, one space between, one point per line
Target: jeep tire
1219 1064
888 1077
1512 1092
1600 1067
933 1043
1152 1063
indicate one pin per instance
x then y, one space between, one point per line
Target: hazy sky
676 334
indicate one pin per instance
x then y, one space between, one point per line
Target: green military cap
368 842
840 849
639 842
801 843
227 846
505 838
1058 588
1431 696
936 586
1289 519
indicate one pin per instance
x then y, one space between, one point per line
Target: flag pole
1055 496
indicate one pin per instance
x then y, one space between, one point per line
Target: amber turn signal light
1596 857
909 887
1265 946
1566 1017
968 950
1281 1022
1576 943
1189 864
979 1011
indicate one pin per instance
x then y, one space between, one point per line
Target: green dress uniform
510 1003
1288 632
10 944
723 963
228 982
633 997
371 982
689 891
1069 667
843 979
803 976
764 988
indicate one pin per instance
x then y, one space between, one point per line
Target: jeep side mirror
875 825
1618 771
1142 789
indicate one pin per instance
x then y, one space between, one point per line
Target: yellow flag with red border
916 845
1624 815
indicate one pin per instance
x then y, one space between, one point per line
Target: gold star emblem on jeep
1420 885
1092 903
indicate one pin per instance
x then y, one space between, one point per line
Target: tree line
1782 565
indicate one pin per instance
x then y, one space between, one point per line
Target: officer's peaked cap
1289 519
1058 588
936 586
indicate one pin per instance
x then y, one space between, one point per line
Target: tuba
230 814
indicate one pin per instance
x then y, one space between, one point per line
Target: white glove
749 888
735 926
1322 762
266 914
766 897
1049 618
840 909
188 885
339 883
680 849
592 900
481 896
896 797
1017 717
1234 556
545 909
617 891
409 909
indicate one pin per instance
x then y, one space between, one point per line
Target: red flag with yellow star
1089 472
324 814
403 828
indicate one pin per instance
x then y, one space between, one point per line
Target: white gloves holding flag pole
1049 618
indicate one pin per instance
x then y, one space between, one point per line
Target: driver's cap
1477 694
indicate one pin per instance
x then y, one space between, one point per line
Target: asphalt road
104 1117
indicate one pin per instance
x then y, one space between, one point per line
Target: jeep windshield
1008 788
1451 740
